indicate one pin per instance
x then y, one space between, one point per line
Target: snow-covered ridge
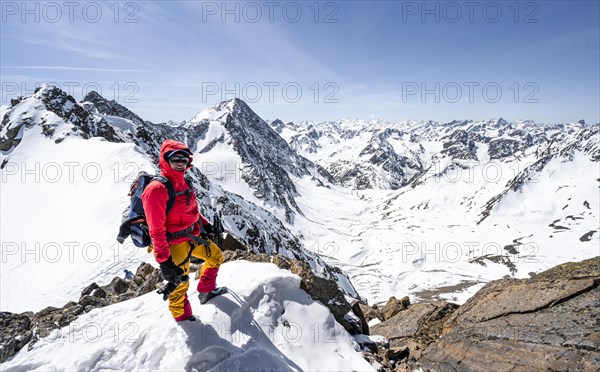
73 162
56 113
101 105
236 139
386 155
265 322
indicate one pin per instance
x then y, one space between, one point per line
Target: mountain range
430 209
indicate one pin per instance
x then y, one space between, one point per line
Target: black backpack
134 218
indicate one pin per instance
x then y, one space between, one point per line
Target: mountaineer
179 232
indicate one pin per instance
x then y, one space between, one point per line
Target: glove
170 271
171 286
207 230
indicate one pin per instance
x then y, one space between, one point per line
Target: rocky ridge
547 322
27 328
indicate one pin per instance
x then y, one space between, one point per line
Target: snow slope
62 195
265 322
464 220
61 209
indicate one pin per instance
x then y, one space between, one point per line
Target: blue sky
393 60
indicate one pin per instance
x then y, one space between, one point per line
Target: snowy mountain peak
232 134
500 122
218 111
93 96
56 113
45 90
105 107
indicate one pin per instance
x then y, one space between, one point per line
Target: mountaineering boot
204 297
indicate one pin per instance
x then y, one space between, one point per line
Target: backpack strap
190 190
170 191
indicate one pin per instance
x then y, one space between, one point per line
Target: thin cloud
88 52
71 68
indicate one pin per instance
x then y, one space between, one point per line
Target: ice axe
171 286
218 230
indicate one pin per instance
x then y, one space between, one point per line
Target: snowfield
436 238
61 210
265 322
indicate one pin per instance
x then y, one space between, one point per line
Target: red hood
165 168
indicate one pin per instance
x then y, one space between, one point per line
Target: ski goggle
179 159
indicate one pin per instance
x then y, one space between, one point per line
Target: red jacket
181 216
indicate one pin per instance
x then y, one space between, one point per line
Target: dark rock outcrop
394 306
16 330
112 107
16 333
65 106
546 323
501 148
232 244
371 312
459 146
416 327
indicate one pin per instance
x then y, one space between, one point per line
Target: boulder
119 286
44 321
93 290
145 271
90 302
371 312
15 332
68 313
150 277
394 306
417 326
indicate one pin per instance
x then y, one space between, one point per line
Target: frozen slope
426 242
65 181
460 223
265 322
61 210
